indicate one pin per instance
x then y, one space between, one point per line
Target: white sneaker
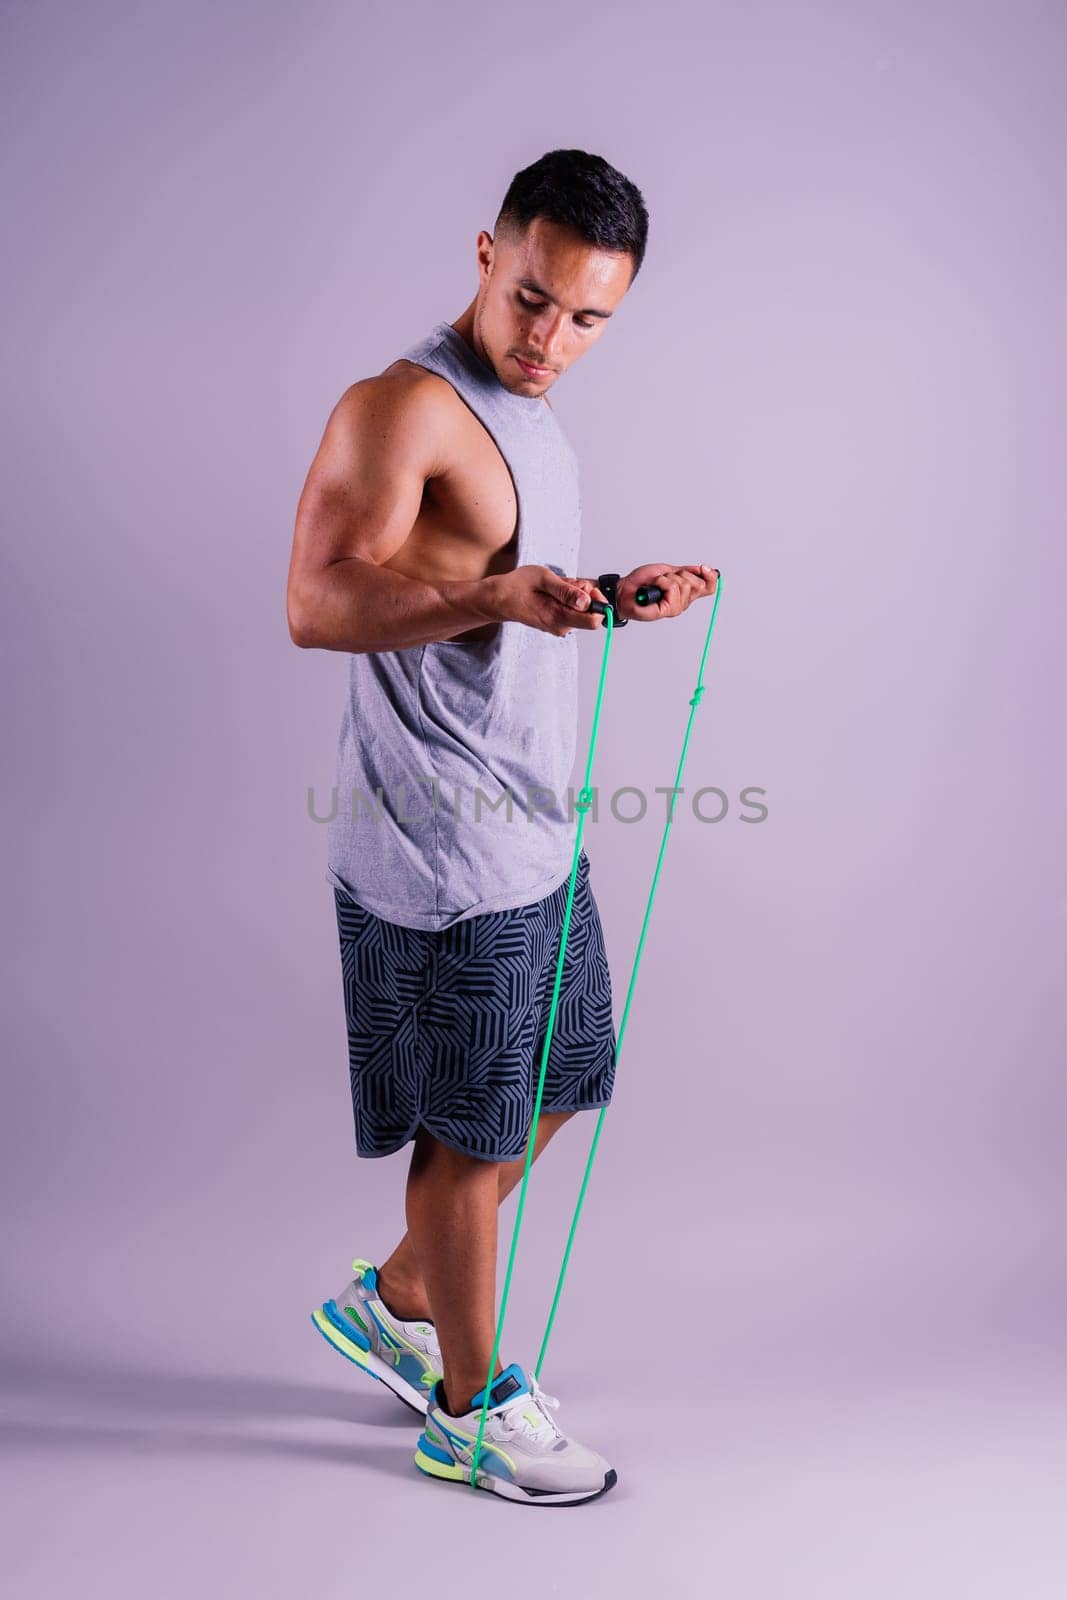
524 1455
405 1356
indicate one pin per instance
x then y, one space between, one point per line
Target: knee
430 1152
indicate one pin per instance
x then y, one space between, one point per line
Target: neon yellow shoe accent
439 1469
347 1347
468 1440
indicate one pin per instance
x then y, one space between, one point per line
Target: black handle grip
647 595
608 582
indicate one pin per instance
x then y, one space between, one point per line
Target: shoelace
518 1419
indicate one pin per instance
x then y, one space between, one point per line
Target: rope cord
582 805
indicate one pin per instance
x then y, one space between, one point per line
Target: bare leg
400 1280
452 1202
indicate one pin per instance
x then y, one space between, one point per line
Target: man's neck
464 326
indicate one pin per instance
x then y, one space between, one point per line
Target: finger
701 579
566 593
567 618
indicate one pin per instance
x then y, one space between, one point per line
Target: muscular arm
363 492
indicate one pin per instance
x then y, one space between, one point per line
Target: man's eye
538 305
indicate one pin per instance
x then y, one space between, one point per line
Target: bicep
364 488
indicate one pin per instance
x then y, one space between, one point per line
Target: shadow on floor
53 1401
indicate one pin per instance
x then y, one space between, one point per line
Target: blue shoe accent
512 1381
345 1325
490 1462
434 1451
412 1370
344 1353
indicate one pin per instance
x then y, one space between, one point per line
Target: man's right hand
540 598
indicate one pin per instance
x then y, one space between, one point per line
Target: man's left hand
680 585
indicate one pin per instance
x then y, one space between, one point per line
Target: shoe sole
346 1338
454 1472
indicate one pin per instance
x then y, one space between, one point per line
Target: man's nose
549 337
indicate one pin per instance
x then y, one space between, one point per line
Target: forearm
358 606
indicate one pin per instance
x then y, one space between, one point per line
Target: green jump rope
645 596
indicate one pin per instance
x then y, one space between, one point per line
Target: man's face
545 299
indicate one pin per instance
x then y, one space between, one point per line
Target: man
434 537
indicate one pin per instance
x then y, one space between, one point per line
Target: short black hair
583 192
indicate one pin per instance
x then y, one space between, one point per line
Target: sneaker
405 1356
524 1455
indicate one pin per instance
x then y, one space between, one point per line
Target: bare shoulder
385 438
404 408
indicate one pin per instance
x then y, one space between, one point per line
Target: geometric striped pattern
446 1028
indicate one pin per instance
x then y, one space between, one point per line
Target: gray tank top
470 744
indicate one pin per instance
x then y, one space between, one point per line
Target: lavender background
816 1310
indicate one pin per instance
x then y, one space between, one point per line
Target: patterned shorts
447 1028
